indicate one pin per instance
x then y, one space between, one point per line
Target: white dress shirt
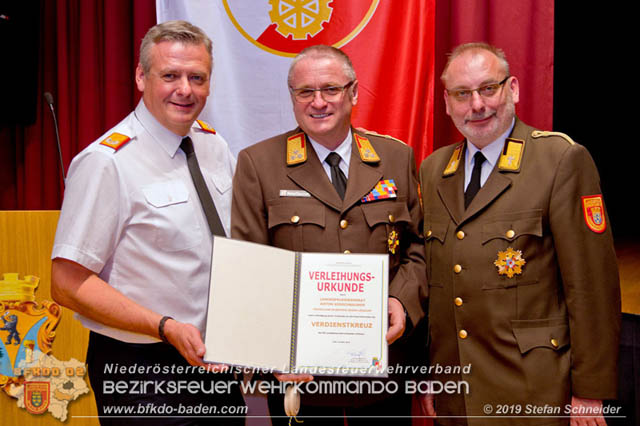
343 150
492 154
133 216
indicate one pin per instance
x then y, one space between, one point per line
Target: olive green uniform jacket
296 207
546 333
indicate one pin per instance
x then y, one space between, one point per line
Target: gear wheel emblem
299 18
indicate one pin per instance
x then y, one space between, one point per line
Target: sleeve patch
593 208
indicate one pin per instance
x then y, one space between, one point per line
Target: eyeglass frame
477 89
312 97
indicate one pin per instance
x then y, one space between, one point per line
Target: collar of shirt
343 150
169 141
491 152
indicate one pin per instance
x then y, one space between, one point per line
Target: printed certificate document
316 313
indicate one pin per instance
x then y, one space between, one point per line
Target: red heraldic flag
391 44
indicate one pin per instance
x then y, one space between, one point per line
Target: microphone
49 99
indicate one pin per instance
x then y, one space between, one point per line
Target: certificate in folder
284 311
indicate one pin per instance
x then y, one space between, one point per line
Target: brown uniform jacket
322 222
546 333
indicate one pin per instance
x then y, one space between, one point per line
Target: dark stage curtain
524 29
87 53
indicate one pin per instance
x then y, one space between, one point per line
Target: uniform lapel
499 180
451 191
495 185
311 176
362 178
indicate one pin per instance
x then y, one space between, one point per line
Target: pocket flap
222 182
437 230
510 228
547 333
164 194
295 214
385 212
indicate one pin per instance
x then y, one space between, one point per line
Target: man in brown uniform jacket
287 195
523 281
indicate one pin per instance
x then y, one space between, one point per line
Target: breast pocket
221 182
513 241
387 221
173 216
295 225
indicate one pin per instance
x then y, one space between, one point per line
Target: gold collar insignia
296 149
511 156
454 161
367 153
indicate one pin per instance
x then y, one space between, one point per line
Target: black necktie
338 178
215 226
474 183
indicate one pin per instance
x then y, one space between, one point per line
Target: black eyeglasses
329 94
486 91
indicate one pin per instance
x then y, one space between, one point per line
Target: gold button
429 233
460 235
463 334
295 219
511 233
344 224
457 269
554 343
347 251
457 301
392 218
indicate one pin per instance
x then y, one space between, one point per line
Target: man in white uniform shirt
133 247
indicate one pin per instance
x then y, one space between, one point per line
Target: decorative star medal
510 262
393 241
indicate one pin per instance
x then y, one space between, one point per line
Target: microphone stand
49 99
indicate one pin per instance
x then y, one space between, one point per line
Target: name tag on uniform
294 193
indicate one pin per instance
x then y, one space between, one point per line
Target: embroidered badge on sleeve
593 208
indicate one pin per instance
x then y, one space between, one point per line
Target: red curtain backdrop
524 29
399 63
87 56
88 53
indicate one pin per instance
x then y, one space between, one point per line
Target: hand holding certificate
313 313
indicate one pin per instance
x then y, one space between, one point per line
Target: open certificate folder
279 310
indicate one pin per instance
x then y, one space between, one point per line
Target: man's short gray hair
499 53
324 51
176 31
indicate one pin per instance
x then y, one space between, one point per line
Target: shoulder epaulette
371 132
115 141
544 134
206 127
296 149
